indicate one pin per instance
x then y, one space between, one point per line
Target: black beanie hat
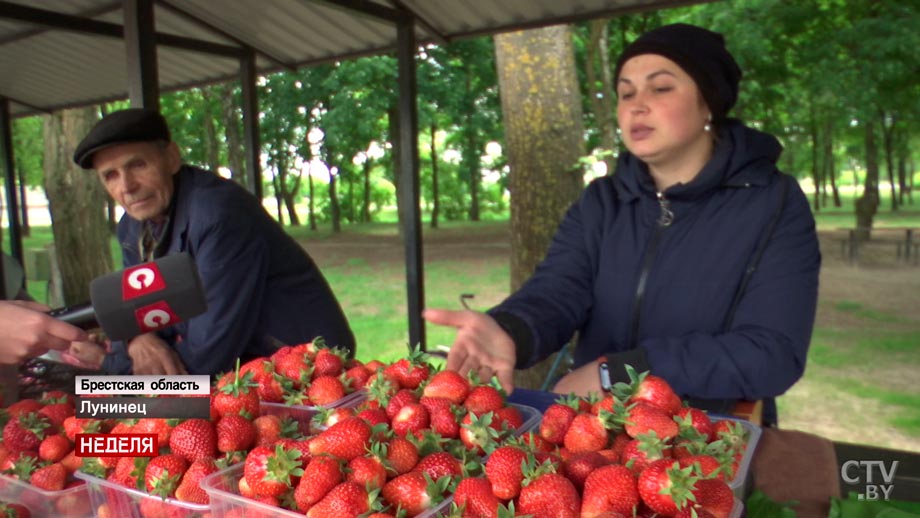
699 52
120 127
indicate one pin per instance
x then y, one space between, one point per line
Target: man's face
138 175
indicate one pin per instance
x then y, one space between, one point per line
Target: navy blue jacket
261 285
627 282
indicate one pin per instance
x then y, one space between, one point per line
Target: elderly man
262 287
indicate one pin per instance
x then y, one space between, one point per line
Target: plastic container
223 489
73 502
531 417
110 499
303 414
742 483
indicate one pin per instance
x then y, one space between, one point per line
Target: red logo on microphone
141 280
155 316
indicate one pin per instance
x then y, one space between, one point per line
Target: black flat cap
131 125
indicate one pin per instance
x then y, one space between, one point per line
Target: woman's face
661 113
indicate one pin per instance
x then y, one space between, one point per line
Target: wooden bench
906 242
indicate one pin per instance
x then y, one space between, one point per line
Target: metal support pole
141 51
409 179
251 123
9 175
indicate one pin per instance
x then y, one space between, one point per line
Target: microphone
141 299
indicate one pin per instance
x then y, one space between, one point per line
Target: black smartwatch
603 370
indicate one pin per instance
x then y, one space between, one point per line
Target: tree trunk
815 159
76 200
366 209
888 134
435 195
232 124
867 204
110 214
830 165
471 162
278 183
23 204
335 211
600 88
541 108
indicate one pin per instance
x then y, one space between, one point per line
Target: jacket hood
742 156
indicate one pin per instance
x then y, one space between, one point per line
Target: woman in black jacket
697 259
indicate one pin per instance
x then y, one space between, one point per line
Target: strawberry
237 398
194 439
190 489
689 417
129 471
610 488
639 453
537 443
449 385
302 446
269 428
163 474
715 496
480 434
411 418
71 462
54 448
74 425
12 510
374 416
706 465
503 471
644 418
23 406
50 477
346 439
666 487
508 418
269 385
368 471
319 477
402 398
650 389
414 492
581 465
235 432
587 432
346 500
475 496
546 494
295 368
439 464
484 398
556 421
357 376
328 362
57 413
401 455
271 472
324 390
444 423
25 431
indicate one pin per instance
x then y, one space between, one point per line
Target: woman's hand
481 345
26 331
581 381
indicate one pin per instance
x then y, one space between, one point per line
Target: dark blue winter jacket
261 285
652 277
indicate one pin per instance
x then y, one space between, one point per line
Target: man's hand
581 381
151 355
26 331
481 345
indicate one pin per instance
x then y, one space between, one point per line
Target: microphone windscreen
148 297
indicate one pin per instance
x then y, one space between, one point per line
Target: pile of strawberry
14 510
400 451
309 374
37 446
635 452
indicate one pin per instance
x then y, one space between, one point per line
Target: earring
708 126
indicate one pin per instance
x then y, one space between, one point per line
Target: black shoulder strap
756 256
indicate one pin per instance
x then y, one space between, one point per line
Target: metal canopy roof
65 53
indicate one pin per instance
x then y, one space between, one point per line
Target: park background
836 82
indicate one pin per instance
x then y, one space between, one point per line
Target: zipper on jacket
665 218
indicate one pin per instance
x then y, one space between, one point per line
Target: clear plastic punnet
72 502
110 499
